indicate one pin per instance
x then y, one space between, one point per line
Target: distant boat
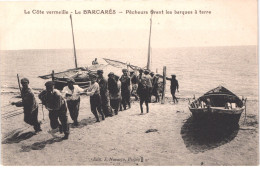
218 106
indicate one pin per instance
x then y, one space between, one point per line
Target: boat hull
217 115
61 83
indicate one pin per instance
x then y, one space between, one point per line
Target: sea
197 69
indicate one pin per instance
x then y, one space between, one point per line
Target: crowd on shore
107 97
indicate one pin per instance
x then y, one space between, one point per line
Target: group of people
107 97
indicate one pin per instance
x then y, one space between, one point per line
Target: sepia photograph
129 83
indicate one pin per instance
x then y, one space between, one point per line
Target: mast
76 65
149 46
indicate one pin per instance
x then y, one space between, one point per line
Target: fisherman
30 106
120 95
114 92
125 89
56 104
95 98
105 102
72 94
148 82
95 62
140 75
174 87
134 82
143 92
155 92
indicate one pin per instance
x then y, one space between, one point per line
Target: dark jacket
112 86
103 85
125 82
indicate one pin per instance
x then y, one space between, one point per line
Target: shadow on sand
18 137
85 122
40 145
202 137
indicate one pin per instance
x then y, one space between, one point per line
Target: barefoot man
30 106
55 103
174 87
72 94
95 98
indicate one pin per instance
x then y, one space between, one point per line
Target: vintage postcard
129 83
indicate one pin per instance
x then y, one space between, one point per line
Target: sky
231 23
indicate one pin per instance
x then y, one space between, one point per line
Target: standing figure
72 95
155 92
148 82
95 62
30 106
143 92
56 104
114 92
119 93
140 75
95 98
134 82
174 87
105 102
125 89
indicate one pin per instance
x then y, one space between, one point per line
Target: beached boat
81 75
218 106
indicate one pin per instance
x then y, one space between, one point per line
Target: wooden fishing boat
218 106
81 75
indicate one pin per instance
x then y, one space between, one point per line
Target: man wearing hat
174 86
72 92
55 103
125 89
95 99
30 106
105 102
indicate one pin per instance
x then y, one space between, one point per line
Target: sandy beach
125 139
204 44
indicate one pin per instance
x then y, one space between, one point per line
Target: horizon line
127 48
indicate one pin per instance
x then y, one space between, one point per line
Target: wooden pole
245 111
19 83
76 64
149 46
52 75
164 85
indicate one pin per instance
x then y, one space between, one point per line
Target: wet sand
124 139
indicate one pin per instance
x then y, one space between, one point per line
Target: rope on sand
12 115
6 105
11 111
